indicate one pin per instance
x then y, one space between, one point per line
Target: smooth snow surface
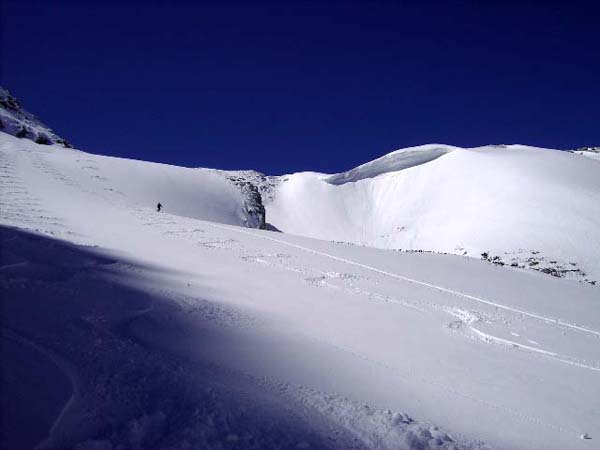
162 330
528 206
392 162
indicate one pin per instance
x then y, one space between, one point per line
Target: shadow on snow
88 360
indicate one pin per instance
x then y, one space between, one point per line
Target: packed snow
526 206
129 328
392 162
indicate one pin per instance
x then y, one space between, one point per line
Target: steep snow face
392 162
17 121
528 206
195 193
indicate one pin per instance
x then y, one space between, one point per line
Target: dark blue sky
287 86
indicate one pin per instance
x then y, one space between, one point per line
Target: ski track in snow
16 195
485 336
321 278
67 370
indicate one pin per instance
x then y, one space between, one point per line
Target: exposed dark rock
535 261
253 204
17 121
42 139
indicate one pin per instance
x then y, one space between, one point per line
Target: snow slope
196 193
528 206
392 162
167 331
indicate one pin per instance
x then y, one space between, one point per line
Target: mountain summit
514 205
17 121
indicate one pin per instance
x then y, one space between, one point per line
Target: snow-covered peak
19 122
392 162
525 206
408 157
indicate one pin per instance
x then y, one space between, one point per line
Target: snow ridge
520 204
17 121
187 330
392 162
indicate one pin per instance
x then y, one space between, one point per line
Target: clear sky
286 86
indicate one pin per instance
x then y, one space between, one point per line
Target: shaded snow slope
17 121
174 332
514 202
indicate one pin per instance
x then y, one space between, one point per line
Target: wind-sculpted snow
124 392
166 331
520 204
392 162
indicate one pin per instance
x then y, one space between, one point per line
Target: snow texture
126 328
392 162
514 202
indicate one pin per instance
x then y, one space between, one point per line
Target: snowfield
128 328
527 206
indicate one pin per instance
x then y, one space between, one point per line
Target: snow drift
392 162
168 331
526 206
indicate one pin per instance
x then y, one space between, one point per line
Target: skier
158 207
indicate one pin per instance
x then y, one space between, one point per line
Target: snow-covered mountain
196 193
509 204
513 204
17 121
128 328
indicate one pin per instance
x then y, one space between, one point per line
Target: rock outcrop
19 122
257 188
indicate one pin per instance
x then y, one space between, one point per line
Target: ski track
16 195
486 337
64 366
113 197
405 373
319 277
422 283
15 192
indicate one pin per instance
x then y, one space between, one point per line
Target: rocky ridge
17 121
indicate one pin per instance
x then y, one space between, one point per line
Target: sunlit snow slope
181 329
528 206
100 180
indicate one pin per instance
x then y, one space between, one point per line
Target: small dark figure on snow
158 207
